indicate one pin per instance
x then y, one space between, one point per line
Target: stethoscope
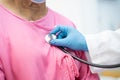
52 36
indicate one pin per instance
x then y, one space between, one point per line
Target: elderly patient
24 53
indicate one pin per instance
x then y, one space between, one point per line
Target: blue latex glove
69 37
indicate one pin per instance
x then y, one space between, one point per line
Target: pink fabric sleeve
2 76
2 49
85 72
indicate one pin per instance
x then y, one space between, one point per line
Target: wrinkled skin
26 8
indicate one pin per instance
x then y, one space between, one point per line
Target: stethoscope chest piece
50 37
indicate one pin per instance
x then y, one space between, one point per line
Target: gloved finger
61 35
58 42
55 30
59 28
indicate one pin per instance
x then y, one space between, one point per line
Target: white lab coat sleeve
104 48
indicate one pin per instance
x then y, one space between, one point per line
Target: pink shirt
25 55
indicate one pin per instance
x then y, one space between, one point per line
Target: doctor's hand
68 37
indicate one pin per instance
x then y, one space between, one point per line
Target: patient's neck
26 9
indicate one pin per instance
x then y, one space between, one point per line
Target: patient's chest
31 55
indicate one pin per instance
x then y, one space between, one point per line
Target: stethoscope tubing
52 36
89 63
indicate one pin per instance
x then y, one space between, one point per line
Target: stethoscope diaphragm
50 37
